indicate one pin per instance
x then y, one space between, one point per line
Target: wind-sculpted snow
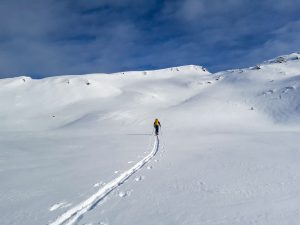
74 214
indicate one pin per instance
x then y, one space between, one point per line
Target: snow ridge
74 214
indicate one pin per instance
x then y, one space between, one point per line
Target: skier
156 126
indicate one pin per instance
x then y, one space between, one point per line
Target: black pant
156 129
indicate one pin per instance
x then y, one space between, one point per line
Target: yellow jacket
156 122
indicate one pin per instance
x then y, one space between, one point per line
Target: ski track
74 214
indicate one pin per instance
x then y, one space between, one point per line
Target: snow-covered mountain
81 150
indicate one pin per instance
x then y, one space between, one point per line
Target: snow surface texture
72 215
72 148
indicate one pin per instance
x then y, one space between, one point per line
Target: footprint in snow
139 178
117 171
287 89
99 184
269 92
59 205
149 167
130 162
123 194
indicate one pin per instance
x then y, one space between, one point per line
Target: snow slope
80 149
74 214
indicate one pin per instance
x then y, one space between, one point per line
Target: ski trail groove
74 214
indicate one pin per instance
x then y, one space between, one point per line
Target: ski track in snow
74 214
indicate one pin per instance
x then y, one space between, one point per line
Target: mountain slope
228 150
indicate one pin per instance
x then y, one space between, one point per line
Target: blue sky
53 37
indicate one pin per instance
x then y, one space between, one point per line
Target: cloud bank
51 37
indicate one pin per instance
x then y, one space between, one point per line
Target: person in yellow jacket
156 126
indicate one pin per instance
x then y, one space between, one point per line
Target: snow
81 150
75 213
